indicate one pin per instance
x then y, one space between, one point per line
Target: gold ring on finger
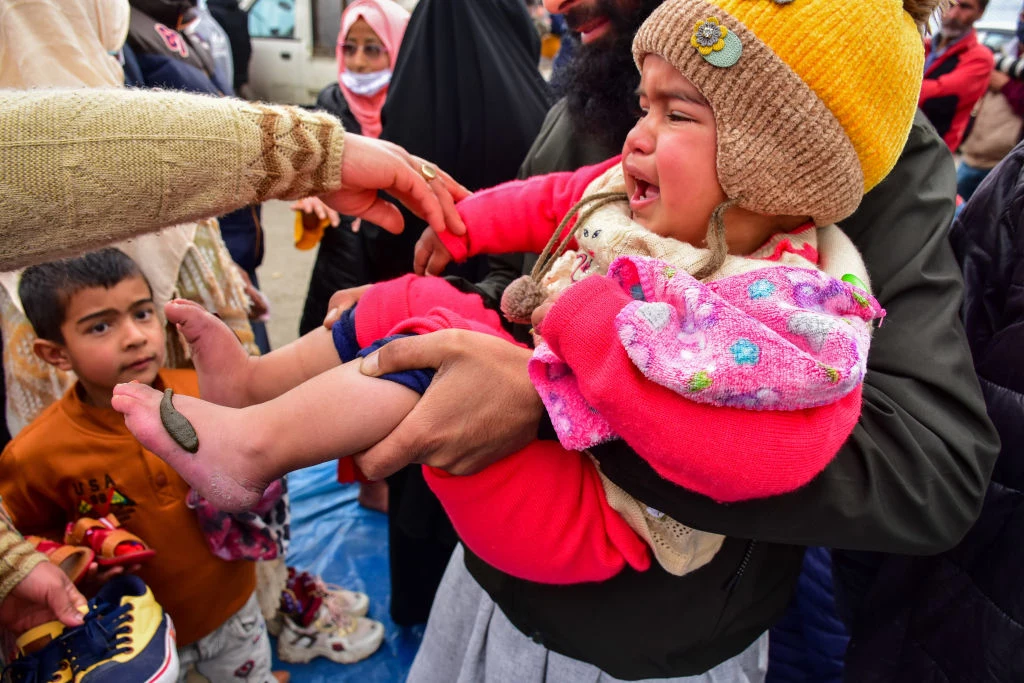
428 172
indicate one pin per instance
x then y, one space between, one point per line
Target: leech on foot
177 425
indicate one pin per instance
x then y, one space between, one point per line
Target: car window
272 19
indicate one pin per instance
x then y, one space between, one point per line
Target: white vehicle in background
998 26
293 47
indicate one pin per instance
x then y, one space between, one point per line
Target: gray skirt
469 640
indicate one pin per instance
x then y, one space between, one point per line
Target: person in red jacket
956 71
674 194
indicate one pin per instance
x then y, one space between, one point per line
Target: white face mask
366 84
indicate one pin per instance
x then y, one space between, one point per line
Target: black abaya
466 94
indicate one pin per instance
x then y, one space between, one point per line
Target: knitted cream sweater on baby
126 162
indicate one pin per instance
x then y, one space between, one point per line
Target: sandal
73 560
108 540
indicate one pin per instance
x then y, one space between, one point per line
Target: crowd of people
679 368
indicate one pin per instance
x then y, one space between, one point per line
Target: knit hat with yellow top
813 99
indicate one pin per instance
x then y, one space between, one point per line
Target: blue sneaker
127 636
45 664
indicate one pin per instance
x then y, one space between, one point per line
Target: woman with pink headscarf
371 32
368 42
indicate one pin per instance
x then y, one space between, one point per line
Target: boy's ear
53 353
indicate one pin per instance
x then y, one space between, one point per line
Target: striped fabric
17 556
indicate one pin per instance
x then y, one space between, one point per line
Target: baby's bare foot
224 469
221 362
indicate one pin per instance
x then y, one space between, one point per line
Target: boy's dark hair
46 289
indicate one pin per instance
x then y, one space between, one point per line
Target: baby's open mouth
644 191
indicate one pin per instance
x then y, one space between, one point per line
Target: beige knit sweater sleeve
83 168
17 556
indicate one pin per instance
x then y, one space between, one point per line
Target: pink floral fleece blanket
775 338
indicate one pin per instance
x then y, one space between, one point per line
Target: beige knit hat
813 99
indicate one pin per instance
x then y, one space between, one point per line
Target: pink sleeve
728 454
520 215
540 514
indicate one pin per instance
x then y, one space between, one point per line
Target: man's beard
954 29
600 81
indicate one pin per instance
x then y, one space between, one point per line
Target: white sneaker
345 640
341 600
303 585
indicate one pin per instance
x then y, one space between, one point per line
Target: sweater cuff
301 152
582 310
329 175
17 558
457 245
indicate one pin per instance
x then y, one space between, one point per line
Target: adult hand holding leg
480 407
369 165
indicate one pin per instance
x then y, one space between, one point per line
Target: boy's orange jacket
76 460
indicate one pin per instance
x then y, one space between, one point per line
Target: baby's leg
221 362
540 514
229 376
241 451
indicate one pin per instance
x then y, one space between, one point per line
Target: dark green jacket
911 478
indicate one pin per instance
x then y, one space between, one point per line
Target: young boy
95 315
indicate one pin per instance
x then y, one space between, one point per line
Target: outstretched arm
84 168
520 215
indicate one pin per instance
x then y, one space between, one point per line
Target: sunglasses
371 50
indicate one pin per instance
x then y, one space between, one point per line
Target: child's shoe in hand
127 636
112 545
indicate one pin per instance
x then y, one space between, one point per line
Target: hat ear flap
715 240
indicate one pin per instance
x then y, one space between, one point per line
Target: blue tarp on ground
348 545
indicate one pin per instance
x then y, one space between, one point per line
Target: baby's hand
316 207
341 301
259 309
431 255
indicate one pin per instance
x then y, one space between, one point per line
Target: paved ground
284 275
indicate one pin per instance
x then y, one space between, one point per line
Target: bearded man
910 479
